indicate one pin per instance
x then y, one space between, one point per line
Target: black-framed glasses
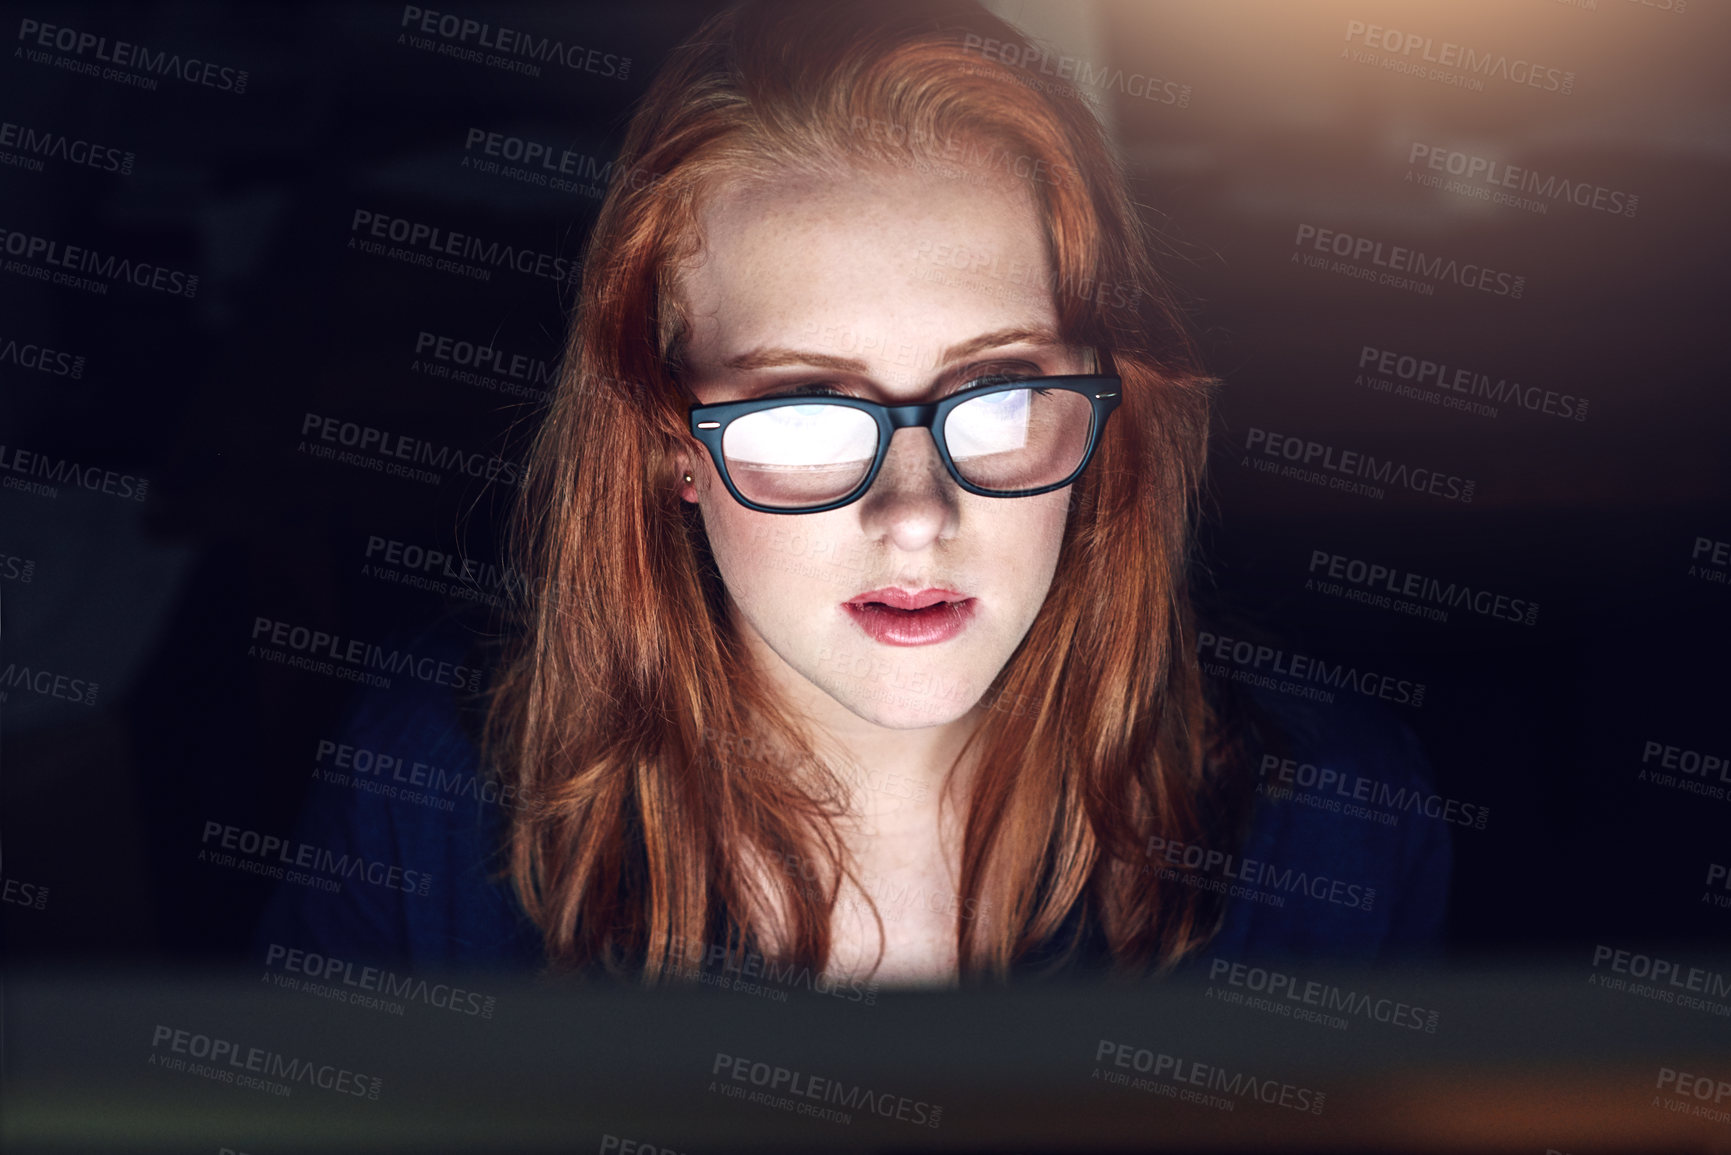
808 454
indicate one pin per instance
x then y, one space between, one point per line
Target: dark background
101 806
1594 520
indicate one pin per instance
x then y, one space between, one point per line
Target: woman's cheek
773 564
740 546
1025 550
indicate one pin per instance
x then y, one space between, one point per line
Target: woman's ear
686 465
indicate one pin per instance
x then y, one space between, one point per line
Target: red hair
615 709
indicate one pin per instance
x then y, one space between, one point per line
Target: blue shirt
1313 880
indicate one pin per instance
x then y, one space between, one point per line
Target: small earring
688 479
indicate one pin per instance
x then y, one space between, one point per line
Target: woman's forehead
878 260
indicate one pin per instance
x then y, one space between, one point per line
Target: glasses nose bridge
935 459
922 416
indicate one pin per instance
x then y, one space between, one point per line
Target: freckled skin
845 269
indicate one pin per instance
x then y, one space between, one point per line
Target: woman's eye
995 379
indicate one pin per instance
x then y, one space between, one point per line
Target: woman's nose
913 499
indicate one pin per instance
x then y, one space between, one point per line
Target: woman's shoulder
1348 853
401 800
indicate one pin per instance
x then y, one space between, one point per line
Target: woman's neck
901 838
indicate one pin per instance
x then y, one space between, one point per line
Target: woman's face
898 288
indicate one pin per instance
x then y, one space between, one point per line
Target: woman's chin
902 711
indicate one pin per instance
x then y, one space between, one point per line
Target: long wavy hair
626 708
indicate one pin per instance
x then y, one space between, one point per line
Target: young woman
858 529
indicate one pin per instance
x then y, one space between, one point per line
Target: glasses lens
1019 438
797 456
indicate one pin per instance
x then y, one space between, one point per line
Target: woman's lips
898 617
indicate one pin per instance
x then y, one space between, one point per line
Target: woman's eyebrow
774 357
997 339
